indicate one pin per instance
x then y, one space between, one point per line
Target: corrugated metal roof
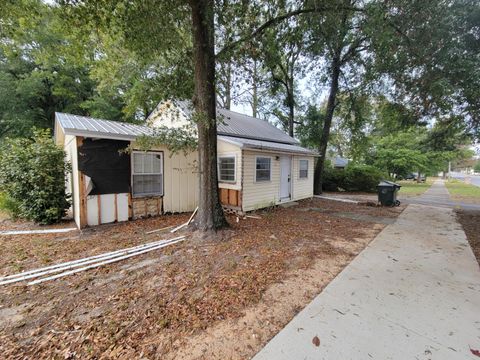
240 125
271 138
266 145
88 126
232 123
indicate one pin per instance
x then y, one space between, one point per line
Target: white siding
180 180
72 184
257 195
302 188
226 149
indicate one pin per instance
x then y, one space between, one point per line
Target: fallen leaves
475 352
181 292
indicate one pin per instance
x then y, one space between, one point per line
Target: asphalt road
473 179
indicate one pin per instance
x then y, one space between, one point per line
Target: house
258 165
339 162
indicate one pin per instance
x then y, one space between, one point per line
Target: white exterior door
285 177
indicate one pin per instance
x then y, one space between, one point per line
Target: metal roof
266 145
231 123
235 124
91 127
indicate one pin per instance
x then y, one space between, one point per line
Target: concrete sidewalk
413 293
438 195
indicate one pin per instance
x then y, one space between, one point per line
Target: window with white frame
303 169
263 169
147 173
226 168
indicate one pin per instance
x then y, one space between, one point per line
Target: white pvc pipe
71 272
80 260
187 223
336 199
46 231
65 266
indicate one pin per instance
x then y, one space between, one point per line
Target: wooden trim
232 197
130 206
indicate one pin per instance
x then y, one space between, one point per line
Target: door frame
289 198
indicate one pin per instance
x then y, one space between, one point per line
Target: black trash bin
387 193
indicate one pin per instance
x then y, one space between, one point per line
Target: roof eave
283 151
99 134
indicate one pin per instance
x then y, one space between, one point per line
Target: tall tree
283 50
210 214
338 42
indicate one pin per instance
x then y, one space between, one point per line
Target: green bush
333 179
32 178
362 178
8 205
352 178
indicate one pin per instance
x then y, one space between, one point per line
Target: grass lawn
412 188
461 191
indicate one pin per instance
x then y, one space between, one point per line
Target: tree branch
276 20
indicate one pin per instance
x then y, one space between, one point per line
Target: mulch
470 220
143 306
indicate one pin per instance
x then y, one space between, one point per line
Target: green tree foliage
429 51
32 176
477 167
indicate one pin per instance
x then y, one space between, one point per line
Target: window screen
263 169
226 168
147 174
303 169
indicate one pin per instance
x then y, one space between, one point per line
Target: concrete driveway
413 293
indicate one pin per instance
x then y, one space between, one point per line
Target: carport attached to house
109 184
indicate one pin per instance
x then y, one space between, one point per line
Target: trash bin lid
386 183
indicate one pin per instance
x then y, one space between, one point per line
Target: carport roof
99 128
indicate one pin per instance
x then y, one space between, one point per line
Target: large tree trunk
332 98
210 213
291 109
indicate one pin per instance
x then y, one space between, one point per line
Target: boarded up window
147 174
108 166
226 168
303 169
263 169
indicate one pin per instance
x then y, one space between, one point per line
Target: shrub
362 178
333 179
32 178
8 205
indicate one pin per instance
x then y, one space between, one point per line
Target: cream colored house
258 165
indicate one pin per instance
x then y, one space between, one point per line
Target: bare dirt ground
200 299
470 220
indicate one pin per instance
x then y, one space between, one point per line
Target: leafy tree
477 167
32 175
283 50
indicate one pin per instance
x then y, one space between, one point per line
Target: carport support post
81 189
